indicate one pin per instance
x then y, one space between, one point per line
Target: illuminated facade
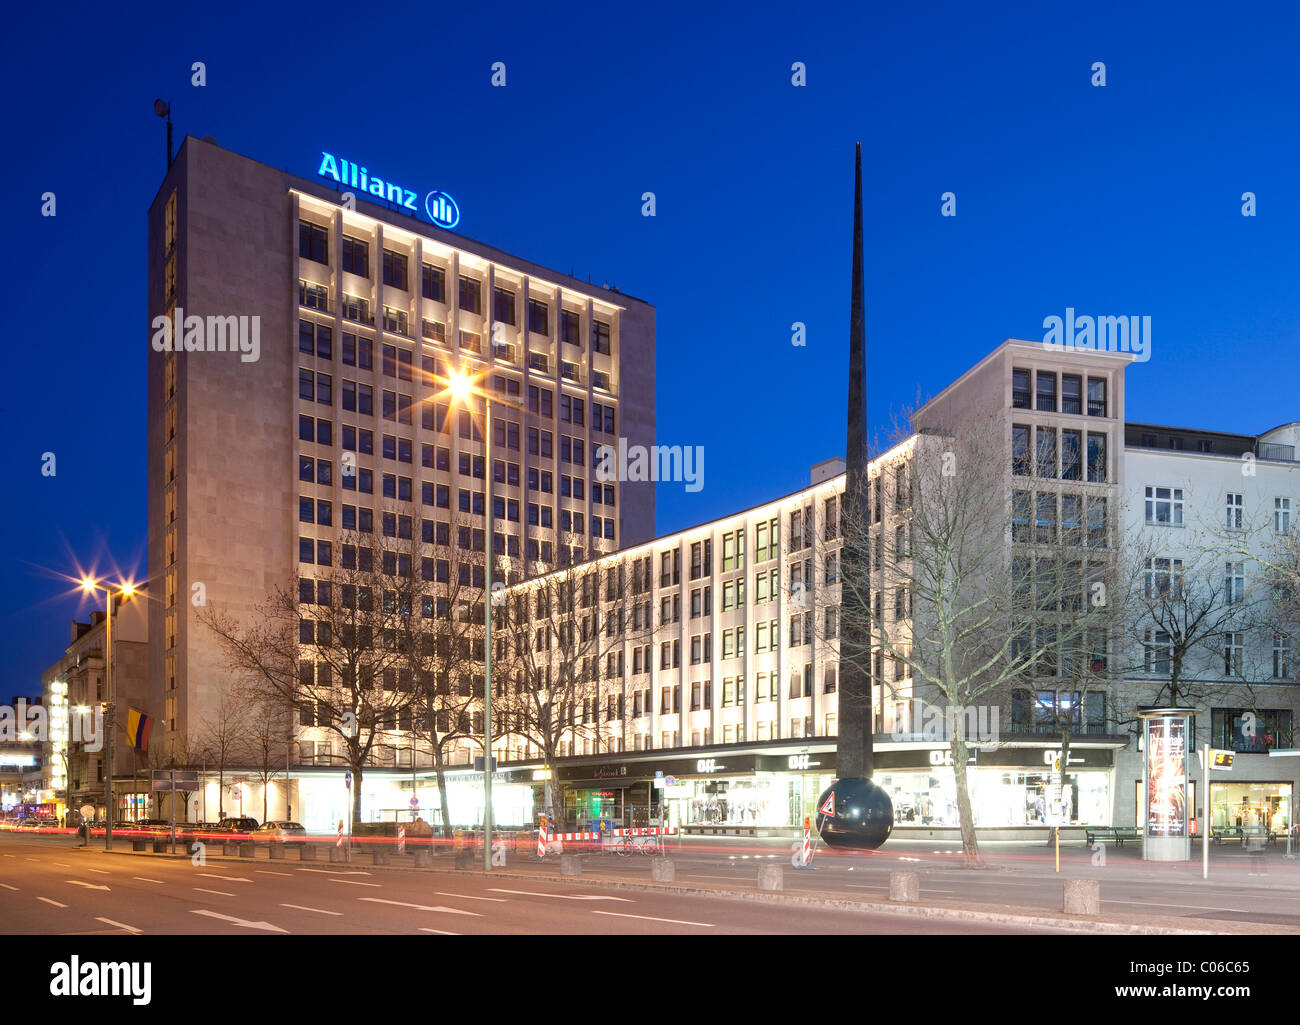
323 423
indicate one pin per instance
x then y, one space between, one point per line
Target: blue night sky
1117 200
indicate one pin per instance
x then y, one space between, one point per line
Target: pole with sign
1216 759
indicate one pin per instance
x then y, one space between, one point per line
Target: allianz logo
440 207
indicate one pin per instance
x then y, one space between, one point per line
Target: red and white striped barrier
645 831
807 848
541 839
340 839
575 836
401 839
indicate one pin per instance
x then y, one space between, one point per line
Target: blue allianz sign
440 208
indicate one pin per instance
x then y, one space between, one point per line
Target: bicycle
649 846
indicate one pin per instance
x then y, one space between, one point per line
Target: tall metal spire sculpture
854 811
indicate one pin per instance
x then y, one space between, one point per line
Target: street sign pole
1205 816
173 794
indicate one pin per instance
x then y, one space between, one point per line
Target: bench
1116 833
1242 833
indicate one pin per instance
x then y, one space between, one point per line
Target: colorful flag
138 726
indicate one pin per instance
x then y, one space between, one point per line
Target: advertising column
1167 735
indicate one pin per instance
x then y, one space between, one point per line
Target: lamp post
126 590
462 386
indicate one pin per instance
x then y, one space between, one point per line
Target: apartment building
313 328
74 688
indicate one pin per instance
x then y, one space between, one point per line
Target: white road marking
144 880
229 879
421 907
265 926
1151 904
99 871
440 932
357 882
37 860
118 925
299 907
465 896
560 896
268 872
219 893
332 872
8 887
54 902
650 918
60 864
88 886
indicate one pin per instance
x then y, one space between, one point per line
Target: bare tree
961 597
440 645
223 737
268 741
329 646
556 639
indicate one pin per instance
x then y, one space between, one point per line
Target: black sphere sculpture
855 813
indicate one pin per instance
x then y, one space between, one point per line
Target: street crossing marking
421 907
118 925
651 918
264 926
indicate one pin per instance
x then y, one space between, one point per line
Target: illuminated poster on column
1166 777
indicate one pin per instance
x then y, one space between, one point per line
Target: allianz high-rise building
295 404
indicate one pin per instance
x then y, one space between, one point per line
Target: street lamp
126 590
462 386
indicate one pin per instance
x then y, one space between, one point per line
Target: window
1232 651
1250 730
312 243
1164 506
1096 458
471 296
394 269
1158 652
503 306
1096 523
1046 392
599 337
1045 518
1021 504
1234 581
1281 515
1096 396
1071 455
1046 451
433 283
1019 455
538 317
1071 393
1020 395
1281 657
1234 510
1164 577
356 257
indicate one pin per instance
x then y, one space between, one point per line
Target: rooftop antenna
164 110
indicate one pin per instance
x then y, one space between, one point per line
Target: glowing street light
462 387
126 590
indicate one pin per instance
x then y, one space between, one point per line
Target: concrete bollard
663 870
276 852
1082 897
247 850
338 854
229 850
161 846
570 865
771 877
139 845
424 859
307 852
904 887
380 857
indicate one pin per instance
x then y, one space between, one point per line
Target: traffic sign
415 802
828 807
1220 758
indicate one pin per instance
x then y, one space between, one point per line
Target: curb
1012 916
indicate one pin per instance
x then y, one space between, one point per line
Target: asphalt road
49 886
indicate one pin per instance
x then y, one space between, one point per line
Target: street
51 886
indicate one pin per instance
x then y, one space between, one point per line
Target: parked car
234 827
282 832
